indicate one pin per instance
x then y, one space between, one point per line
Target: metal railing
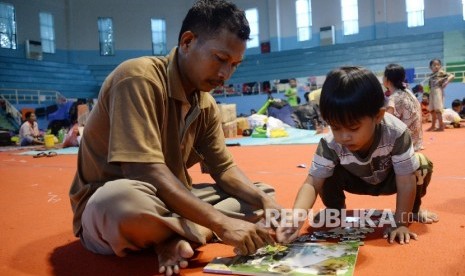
36 96
12 111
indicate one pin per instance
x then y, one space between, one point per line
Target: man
151 123
29 133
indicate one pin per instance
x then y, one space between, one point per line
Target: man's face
209 63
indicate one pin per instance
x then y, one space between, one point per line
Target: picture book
292 259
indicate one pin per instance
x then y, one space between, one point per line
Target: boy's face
457 108
293 83
358 137
210 62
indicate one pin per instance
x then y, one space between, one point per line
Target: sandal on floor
40 154
52 154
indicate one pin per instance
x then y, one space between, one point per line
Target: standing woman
403 104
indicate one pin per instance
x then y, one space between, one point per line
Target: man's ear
186 40
380 115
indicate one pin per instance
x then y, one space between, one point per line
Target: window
303 11
252 17
349 9
47 32
7 26
415 10
463 9
158 36
105 30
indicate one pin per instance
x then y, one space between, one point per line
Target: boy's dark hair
456 103
207 18
396 75
349 94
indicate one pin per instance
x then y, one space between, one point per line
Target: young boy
368 152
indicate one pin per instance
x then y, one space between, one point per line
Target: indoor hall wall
28 27
77 35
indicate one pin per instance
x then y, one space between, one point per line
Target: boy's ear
380 115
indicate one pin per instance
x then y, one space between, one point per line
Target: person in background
291 92
154 119
403 104
29 133
438 80
425 114
462 111
451 116
368 152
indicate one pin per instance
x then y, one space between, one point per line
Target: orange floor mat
36 236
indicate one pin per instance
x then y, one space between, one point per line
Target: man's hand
246 237
402 233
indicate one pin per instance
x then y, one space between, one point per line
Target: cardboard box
228 112
230 129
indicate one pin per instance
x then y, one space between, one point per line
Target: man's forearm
237 184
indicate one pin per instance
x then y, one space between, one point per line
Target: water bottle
61 135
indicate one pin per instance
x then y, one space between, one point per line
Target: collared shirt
140 117
28 131
392 149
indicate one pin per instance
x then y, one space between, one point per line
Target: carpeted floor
36 236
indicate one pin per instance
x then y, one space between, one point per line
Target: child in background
367 152
451 115
291 93
438 80
425 114
403 104
462 111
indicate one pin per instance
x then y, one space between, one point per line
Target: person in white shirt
29 133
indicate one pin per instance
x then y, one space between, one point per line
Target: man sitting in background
29 132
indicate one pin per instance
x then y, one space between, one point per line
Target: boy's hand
402 233
290 225
286 234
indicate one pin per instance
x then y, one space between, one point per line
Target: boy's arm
304 201
308 192
406 190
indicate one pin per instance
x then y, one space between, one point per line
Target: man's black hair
349 94
207 18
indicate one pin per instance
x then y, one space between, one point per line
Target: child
451 116
291 92
438 80
368 152
425 114
403 104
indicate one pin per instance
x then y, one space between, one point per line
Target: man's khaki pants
128 206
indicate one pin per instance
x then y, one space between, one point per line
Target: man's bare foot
173 255
430 129
425 216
